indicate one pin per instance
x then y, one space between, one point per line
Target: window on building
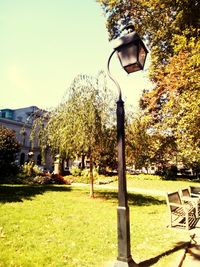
7 114
39 160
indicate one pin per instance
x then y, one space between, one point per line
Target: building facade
21 121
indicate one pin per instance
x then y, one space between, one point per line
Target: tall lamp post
132 54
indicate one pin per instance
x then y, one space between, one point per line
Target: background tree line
171 30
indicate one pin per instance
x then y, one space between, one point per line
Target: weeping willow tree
79 125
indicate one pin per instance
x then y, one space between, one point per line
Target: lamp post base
130 263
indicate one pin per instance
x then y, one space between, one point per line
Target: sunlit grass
62 226
155 183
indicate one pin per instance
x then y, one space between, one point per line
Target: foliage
79 125
39 121
9 147
164 150
108 151
75 171
83 179
165 24
174 105
86 173
83 176
170 172
37 176
76 126
29 169
40 179
171 29
145 146
50 179
138 141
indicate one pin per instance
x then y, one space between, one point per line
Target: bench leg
187 221
197 210
170 221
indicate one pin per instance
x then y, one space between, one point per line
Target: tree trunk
91 179
82 162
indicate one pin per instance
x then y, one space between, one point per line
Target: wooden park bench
195 190
191 199
180 214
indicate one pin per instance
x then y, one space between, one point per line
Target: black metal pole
123 221
124 258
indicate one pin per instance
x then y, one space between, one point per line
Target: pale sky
46 43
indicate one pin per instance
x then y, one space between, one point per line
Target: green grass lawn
155 182
62 226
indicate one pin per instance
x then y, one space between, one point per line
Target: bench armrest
195 195
186 198
175 204
190 199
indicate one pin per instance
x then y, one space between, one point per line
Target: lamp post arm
111 77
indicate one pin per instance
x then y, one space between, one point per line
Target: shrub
42 179
51 179
170 173
82 179
75 171
36 169
28 168
31 169
86 172
59 179
9 176
84 176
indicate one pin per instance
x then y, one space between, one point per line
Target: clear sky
44 44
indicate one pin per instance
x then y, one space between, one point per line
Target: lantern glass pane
128 54
142 55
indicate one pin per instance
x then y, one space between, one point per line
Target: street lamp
132 54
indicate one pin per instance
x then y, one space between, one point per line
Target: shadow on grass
152 261
194 252
133 199
18 193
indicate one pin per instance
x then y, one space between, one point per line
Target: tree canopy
165 24
171 30
78 124
83 124
9 146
